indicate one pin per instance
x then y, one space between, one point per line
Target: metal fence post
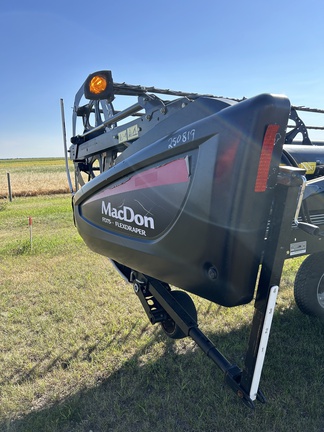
9 187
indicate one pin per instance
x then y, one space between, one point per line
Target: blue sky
232 48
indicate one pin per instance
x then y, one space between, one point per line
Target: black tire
170 327
309 286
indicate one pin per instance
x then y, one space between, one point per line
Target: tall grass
77 352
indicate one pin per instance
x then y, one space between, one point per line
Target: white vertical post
30 224
65 148
263 342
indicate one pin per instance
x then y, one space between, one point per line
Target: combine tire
170 327
309 286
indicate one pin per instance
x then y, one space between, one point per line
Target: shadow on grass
182 390
46 364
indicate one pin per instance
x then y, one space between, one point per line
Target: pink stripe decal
171 173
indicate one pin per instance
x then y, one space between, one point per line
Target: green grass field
77 352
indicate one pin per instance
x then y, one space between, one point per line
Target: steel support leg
286 195
244 383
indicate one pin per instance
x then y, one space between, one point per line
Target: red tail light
269 141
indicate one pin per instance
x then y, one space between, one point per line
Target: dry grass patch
29 177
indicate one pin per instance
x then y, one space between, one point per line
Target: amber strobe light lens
98 84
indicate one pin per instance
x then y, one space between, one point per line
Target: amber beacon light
99 85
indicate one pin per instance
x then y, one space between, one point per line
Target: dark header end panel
191 207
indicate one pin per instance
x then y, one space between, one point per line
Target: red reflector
269 141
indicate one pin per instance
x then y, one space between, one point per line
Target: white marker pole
65 148
264 341
30 223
